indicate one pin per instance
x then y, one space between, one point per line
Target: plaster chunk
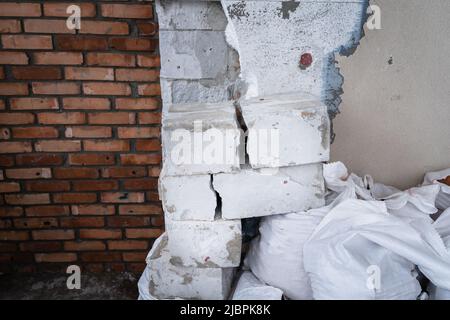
169 281
264 192
286 130
205 244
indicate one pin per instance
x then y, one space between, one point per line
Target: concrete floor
52 286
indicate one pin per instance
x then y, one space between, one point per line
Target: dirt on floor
52 286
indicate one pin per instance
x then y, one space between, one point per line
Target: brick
137 103
89 132
136 268
39 159
157 221
5 133
110 59
104 27
120 172
62 118
127 11
36 73
33 103
56 88
100 256
17 9
78 222
55 257
137 75
8 247
151 89
149 118
147 28
47 246
5 224
139 209
27 199
105 88
47 186
143 233
26 42
140 159
154 171
127 245
58 58
106 145
134 256
14 258
12 57
33 173
59 9
75 173
95 209
140 184
122 197
100 185
115 267
34 132
81 43
138 132
15 147
6 187
2 104
47 211
89 73
2 76
98 159
35 223
100 234
75 198
14 235
151 61
148 145
133 44
93 267
57 146
6 161
112 118
84 246
10 211
46 26
86 103
124 222
13 89
10 26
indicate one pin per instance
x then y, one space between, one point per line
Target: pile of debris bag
369 242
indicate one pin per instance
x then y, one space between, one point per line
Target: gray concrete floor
52 286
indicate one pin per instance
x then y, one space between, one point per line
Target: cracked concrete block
168 281
205 244
263 192
187 197
201 139
286 130
193 54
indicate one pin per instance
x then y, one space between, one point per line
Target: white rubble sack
250 288
286 130
443 198
263 192
168 281
187 197
201 139
205 244
361 251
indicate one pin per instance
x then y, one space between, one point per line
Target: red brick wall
79 135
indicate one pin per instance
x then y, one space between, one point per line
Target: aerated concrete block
263 192
201 139
286 130
187 197
169 281
205 244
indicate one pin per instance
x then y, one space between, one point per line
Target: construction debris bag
443 199
250 288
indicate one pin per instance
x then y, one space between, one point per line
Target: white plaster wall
394 121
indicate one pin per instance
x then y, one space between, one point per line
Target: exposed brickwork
79 135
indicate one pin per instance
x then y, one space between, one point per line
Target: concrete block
263 192
286 130
201 139
168 281
187 197
205 244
